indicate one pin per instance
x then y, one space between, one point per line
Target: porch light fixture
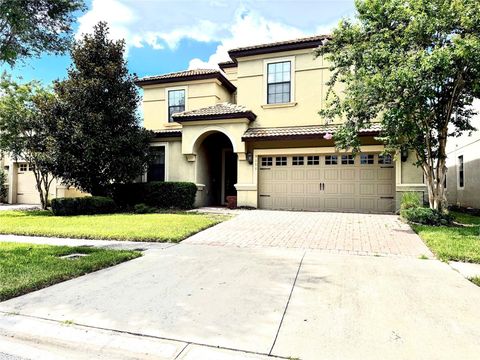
404 154
250 158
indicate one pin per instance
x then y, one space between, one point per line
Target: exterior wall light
250 158
404 154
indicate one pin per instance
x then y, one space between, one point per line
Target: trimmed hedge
426 216
88 205
158 194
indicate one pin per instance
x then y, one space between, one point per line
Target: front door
229 174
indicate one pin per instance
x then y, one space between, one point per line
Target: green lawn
26 267
454 243
136 227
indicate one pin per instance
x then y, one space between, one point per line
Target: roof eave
169 134
299 136
234 54
244 115
225 82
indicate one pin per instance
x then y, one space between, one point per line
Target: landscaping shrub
410 200
143 209
163 195
89 205
426 216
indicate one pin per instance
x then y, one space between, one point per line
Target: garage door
26 189
364 183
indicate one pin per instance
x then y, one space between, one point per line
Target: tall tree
414 65
29 27
98 136
24 130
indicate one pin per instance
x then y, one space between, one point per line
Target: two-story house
253 130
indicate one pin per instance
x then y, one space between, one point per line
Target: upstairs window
279 83
176 102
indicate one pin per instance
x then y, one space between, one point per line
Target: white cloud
166 23
119 17
248 28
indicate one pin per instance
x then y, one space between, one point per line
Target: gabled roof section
295 44
301 132
216 112
187 75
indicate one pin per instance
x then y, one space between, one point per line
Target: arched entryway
216 168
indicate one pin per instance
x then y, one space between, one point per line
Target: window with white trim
267 161
348 160
176 102
331 160
297 160
461 172
23 167
281 161
279 82
313 160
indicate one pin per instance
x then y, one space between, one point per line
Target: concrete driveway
193 301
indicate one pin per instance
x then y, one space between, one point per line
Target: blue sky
171 35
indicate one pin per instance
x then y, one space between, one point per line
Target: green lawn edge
453 243
161 227
30 267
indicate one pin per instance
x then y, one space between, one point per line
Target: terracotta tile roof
227 64
187 75
163 133
299 131
218 111
301 43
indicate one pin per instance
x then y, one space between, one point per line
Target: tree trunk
43 186
435 179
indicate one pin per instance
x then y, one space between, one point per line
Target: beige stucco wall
409 178
468 147
308 89
199 94
231 74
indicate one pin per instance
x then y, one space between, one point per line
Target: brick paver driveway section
349 233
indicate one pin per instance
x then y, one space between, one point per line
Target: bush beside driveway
172 227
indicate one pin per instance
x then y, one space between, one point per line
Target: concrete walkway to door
338 233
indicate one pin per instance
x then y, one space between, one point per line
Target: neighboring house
463 162
22 186
253 131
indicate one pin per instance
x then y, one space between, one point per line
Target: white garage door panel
26 188
328 187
